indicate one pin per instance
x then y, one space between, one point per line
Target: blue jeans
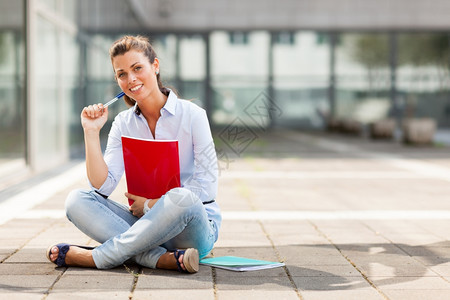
177 220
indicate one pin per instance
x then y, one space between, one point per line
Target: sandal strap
61 260
177 253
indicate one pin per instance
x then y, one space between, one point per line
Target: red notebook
152 167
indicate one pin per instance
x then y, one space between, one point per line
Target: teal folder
235 263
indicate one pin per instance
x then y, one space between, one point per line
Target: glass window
239 76
285 38
362 77
12 88
423 76
301 78
166 49
192 65
71 89
238 38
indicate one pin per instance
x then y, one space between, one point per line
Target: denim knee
73 202
182 197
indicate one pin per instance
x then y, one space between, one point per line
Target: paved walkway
351 218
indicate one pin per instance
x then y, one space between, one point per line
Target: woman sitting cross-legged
171 232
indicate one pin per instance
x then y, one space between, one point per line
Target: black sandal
63 248
190 260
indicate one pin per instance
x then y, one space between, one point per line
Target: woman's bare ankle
79 257
167 261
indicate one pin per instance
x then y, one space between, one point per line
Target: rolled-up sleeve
114 160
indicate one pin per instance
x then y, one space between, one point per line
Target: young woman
151 231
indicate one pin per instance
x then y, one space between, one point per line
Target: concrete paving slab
331 283
207 294
414 239
43 242
19 295
370 249
18 233
442 270
297 239
273 283
417 294
241 226
173 281
6 251
437 227
26 283
88 295
124 270
32 255
293 232
381 269
323 271
28 269
4 256
433 260
343 295
280 227
384 258
256 294
93 283
410 283
293 255
328 260
395 226
312 250
242 239
11 243
441 249
33 225
355 233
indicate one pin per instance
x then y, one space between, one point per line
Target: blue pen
118 96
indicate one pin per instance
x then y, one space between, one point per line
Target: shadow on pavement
344 267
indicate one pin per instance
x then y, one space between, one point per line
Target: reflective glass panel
423 81
12 88
71 88
166 50
239 77
192 66
301 67
362 76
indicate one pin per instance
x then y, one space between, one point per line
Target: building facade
308 59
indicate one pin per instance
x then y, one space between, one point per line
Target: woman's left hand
137 208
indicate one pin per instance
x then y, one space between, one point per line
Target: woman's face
135 75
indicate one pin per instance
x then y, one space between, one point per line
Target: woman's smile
136 88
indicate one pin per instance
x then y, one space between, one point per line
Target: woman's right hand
93 117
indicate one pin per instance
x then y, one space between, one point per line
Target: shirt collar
170 105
